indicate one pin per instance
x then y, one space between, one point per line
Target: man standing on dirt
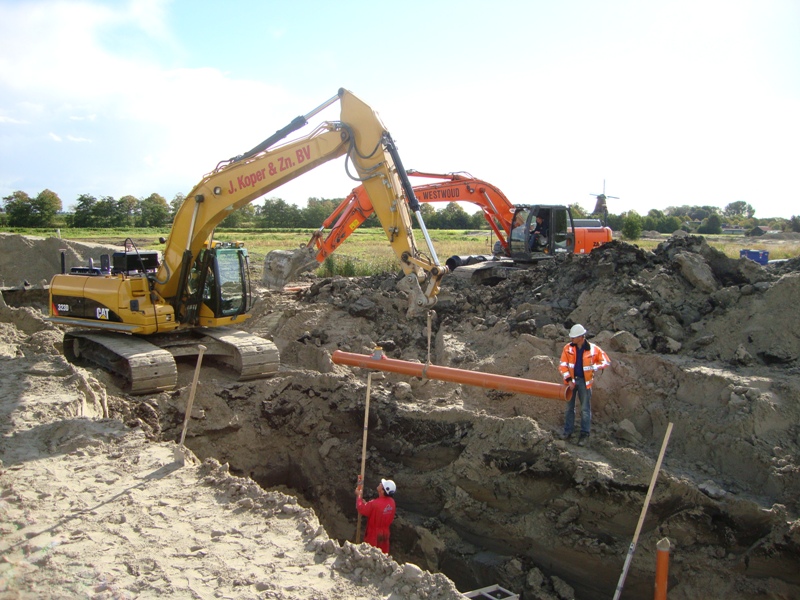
579 361
379 512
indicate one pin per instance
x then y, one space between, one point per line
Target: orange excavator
522 239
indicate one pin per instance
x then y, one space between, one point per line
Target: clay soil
98 501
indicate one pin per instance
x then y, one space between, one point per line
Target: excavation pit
487 493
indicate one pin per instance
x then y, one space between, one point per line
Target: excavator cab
219 285
541 232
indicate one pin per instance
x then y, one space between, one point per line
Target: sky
666 103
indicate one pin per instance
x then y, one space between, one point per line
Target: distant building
758 230
733 230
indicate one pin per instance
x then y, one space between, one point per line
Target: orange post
381 362
662 569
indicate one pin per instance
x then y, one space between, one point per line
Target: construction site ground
98 501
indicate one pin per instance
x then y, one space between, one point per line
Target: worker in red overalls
379 512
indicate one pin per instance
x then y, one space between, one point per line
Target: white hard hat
577 331
388 486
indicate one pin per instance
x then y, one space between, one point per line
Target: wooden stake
188 414
364 452
632 549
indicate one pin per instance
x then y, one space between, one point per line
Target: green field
367 251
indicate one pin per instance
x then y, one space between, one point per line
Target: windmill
601 208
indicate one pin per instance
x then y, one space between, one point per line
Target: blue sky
670 102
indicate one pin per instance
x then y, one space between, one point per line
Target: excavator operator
540 232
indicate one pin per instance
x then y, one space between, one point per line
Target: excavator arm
362 137
357 208
462 187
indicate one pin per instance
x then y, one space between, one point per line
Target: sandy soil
94 507
94 502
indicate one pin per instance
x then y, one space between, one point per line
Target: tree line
46 210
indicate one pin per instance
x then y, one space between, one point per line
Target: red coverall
380 514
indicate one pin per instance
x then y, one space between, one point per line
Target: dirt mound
95 507
784 235
27 261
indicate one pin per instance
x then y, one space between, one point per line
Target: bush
349 268
632 226
328 267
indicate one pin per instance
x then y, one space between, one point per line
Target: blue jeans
585 395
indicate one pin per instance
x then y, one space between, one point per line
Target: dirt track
487 494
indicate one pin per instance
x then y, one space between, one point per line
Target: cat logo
102 314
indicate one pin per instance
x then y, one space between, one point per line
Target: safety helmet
577 331
388 486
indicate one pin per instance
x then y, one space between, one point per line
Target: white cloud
669 112
186 120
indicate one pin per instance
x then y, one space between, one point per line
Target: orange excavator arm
462 187
452 187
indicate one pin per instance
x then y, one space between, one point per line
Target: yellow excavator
138 311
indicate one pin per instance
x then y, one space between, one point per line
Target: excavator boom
282 266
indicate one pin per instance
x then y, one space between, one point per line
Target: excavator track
251 356
146 368
148 364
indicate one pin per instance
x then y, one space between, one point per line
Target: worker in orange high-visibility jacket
379 512
579 361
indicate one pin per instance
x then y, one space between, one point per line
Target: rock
403 391
627 431
551 332
704 340
742 356
762 286
568 516
669 326
363 307
535 579
673 346
666 345
712 490
697 272
412 573
624 341
726 297
325 447
563 589
736 400
513 568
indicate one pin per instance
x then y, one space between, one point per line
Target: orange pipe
662 569
381 362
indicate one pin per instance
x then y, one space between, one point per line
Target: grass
367 251
731 245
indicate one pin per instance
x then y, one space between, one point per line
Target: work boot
564 435
583 439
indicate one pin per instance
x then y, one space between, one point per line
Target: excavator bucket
283 266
